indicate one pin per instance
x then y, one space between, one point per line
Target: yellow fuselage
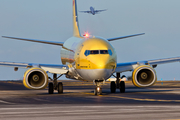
91 58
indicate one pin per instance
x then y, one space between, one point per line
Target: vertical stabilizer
76 31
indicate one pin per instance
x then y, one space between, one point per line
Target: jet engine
35 78
144 76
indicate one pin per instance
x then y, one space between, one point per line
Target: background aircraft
93 11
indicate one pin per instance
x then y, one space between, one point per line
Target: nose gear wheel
98 91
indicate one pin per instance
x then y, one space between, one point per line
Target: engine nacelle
144 76
35 78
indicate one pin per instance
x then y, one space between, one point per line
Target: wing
39 41
85 11
122 37
130 66
96 11
51 68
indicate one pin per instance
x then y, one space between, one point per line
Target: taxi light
98 88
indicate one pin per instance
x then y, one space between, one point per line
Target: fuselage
89 58
92 10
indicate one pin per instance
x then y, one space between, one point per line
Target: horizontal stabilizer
34 40
122 37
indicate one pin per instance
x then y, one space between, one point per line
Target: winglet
76 31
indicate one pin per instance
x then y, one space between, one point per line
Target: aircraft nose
101 62
102 68
100 74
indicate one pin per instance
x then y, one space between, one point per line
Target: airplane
87 58
93 11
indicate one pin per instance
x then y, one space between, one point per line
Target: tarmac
161 101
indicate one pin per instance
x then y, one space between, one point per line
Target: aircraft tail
76 31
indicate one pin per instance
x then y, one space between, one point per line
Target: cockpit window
103 51
94 51
88 52
110 52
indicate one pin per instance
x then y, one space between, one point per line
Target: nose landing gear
98 89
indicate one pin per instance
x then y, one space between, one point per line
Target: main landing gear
98 89
55 85
119 84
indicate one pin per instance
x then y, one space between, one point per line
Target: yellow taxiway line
138 99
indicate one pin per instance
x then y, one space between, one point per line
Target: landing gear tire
98 91
60 88
95 91
51 88
113 87
122 87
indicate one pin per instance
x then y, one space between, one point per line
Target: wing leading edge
97 11
130 66
85 11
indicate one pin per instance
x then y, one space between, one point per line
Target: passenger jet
87 58
93 11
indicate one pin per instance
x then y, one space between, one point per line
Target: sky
52 20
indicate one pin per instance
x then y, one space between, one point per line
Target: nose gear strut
98 89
